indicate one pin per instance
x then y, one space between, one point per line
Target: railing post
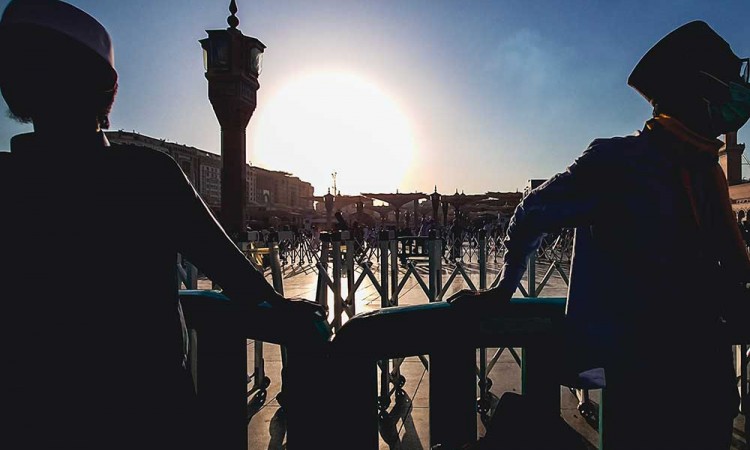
538 382
338 306
531 275
434 253
482 259
453 419
221 378
274 258
188 273
383 244
393 248
348 238
325 244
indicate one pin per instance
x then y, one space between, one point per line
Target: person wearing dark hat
656 245
93 355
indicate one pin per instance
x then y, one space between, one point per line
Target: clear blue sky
497 92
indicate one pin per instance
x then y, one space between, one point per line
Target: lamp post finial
232 20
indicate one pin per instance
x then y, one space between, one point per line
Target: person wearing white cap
93 354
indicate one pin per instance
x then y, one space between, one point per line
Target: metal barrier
407 252
450 336
348 365
338 247
256 250
260 381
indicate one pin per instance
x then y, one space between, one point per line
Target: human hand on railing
302 322
485 301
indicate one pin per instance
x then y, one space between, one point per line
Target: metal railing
359 347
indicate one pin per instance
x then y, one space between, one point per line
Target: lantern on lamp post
233 63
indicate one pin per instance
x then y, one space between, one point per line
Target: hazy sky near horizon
490 93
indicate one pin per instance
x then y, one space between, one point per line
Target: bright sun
329 122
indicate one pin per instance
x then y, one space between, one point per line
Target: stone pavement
407 425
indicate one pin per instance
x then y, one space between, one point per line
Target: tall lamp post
435 198
232 63
328 200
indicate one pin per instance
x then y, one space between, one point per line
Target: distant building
730 159
201 167
269 192
278 192
531 185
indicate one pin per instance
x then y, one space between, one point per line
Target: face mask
731 115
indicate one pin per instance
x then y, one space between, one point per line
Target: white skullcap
62 18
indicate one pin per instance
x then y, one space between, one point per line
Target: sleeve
202 240
568 199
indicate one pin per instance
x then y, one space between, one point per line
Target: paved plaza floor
407 424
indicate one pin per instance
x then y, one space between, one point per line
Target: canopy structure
498 205
382 210
398 200
337 203
340 201
459 200
512 198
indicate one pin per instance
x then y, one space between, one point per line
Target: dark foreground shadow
277 430
389 425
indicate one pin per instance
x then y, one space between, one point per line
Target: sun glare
329 122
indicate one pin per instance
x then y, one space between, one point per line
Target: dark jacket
89 238
643 301
640 262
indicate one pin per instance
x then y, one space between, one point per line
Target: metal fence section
401 259
263 251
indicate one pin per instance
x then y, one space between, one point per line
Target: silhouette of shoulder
148 167
615 148
150 158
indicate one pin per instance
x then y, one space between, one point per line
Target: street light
435 198
232 62
328 200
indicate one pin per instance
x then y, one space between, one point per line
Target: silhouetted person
457 233
656 248
341 224
93 355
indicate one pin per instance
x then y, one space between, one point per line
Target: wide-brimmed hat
675 66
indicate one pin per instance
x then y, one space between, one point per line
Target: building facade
269 192
730 159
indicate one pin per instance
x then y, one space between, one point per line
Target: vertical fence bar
482 260
452 397
538 381
433 251
338 305
383 244
350 245
393 248
220 358
325 244
531 276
